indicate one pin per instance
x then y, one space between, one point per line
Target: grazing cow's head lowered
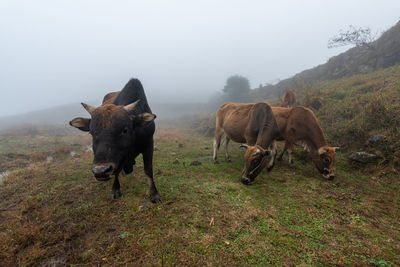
325 161
255 161
113 131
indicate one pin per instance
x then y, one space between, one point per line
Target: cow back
132 92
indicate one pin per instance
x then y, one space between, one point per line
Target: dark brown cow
254 126
298 125
289 98
121 128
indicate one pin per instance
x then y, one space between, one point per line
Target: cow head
113 135
325 161
255 161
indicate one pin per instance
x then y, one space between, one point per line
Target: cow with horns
121 128
254 126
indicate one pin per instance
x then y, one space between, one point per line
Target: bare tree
353 36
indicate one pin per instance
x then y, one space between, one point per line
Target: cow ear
144 117
81 123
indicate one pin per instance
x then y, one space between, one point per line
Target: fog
60 52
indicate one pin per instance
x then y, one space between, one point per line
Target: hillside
351 110
382 53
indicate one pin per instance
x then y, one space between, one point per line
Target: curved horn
257 152
336 148
259 147
243 145
88 108
131 106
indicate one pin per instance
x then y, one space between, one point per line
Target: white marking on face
321 150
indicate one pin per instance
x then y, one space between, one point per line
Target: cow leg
128 166
271 163
290 150
280 157
115 192
148 170
226 139
217 141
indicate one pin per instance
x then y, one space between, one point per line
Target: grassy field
54 213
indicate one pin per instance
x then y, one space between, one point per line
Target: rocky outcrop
363 157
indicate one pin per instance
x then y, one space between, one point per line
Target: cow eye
125 130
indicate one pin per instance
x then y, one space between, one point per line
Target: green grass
56 212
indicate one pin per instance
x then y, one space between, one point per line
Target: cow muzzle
327 174
246 181
102 172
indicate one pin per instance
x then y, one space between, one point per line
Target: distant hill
382 53
55 115
61 115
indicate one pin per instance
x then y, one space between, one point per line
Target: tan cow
298 125
289 98
255 127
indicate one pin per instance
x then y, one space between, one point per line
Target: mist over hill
61 115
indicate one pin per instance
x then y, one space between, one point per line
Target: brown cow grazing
289 98
121 128
254 126
298 125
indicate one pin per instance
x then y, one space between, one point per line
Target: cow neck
264 138
316 139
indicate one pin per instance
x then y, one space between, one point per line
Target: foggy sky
57 52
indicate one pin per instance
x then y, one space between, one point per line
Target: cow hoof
128 169
292 165
216 161
270 168
115 194
156 198
229 160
